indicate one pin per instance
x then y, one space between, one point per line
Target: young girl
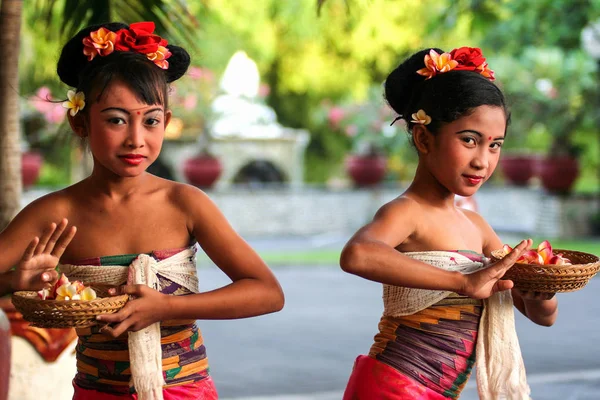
445 305
134 228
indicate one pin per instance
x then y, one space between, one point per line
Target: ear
78 124
168 115
422 138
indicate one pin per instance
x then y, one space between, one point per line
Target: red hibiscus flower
469 58
139 38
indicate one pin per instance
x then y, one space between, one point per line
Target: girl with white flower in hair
445 305
134 230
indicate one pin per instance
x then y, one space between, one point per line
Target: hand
484 283
142 310
531 295
37 267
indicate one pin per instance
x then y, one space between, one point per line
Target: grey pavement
306 351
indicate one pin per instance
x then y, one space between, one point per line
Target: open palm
484 283
36 268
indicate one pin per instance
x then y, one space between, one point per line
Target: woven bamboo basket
67 313
553 278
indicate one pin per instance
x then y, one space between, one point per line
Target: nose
135 136
480 160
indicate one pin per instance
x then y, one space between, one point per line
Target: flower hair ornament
420 117
75 103
460 59
138 38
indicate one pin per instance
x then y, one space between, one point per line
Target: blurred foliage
550 91
542 23
48 24
333 52
365 124
190 100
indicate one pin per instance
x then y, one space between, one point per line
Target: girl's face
464 153
125 135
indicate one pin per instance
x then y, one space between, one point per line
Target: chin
467 192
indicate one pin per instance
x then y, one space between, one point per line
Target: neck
107 184
429 189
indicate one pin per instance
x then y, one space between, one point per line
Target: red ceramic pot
203 170
518 170
366 170
4 355
31 163
558 174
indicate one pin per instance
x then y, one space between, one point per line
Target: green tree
10 160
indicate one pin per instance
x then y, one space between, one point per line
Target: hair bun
72 60
178 63
401 82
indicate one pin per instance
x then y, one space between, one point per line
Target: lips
474 179
132 159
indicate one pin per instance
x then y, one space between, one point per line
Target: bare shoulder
402 207
48 208
186 196
477 220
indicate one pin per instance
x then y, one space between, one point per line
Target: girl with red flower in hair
446 307
135 231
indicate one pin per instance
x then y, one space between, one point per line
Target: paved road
307 350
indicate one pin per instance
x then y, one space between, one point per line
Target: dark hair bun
72 60
401 82
178 63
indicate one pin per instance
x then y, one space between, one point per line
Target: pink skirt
373 380
203 389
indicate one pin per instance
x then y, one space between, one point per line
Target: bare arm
541 308
254 289
371 253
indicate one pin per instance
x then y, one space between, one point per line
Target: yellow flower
75 103
66 292
160 57
421 117
435 62
100 42
88 294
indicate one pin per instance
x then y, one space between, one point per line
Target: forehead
118 93
485 119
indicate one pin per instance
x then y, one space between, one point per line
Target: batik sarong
428 342
103 363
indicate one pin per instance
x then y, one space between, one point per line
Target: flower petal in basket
65 313
549 278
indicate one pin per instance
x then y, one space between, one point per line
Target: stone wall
304 212
312 211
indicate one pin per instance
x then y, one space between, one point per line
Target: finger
134 290
117 317
56 235
28 254
502 285
45 238
117 329
512 257
114 331
49 276
63 242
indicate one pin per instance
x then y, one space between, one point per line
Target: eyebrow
128 113
478 133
